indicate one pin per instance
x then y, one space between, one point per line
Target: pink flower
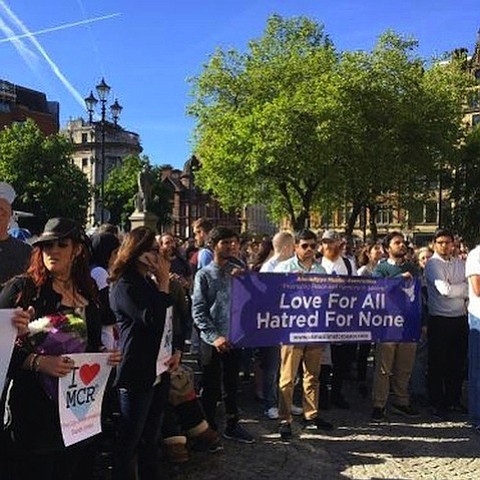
57 320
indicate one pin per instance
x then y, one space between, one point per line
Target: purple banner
289 308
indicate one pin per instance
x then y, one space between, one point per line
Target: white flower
39 325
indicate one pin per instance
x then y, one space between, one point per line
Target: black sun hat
57 228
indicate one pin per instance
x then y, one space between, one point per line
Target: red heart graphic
89 372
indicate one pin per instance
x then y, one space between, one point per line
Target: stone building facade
87 142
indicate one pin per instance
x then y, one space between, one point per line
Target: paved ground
399 449
423 448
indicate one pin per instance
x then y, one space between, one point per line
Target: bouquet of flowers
57 334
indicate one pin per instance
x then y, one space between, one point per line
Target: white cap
7 192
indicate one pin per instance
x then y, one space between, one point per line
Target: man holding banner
342 354
283 247
211 314
309 354
393 361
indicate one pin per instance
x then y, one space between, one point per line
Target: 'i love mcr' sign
80 395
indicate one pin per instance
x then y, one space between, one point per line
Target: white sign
80 396
8 333
166 344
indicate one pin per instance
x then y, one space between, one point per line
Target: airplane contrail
42 51
93 40
59 27
23 50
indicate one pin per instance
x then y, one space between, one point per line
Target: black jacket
35 422
140 309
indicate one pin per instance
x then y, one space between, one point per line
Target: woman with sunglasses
57 282
139 298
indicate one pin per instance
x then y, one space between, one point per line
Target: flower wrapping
57 334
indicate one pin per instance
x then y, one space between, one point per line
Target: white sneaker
272 413
296 410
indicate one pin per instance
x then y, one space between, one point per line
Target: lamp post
103 91
193 165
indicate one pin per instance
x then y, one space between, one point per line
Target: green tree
40 169
401 123
295 125
466 189
266 119
122 187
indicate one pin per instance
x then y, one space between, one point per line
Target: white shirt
270 264
338 266
447 289
472 267
100 276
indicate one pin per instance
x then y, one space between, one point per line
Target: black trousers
343 356
72 463
447 359
219 374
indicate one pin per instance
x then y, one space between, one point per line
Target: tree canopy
294 124
466 188
41 171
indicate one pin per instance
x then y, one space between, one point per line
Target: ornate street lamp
103 90
193 165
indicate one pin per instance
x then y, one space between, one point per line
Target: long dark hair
102 245
136 242
264 251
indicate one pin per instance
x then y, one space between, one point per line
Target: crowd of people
137 290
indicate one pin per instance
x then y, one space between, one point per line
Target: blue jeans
140 431
474 370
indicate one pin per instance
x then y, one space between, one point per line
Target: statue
143 196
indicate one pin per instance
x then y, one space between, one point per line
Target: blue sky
147 49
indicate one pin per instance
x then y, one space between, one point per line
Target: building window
431 209
84 163
416 213
4 106
385 216
84 138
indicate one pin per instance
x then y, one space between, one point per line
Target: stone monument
141 217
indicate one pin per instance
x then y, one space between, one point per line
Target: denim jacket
211 301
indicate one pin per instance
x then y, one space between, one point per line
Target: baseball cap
7 192
331 236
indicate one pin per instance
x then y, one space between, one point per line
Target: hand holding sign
114 358
54 365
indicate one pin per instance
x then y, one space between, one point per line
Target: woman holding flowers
61 299
139 297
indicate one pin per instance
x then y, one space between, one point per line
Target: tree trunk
372 221
301 221
352 219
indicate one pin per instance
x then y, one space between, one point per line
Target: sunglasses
55 243
304 246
